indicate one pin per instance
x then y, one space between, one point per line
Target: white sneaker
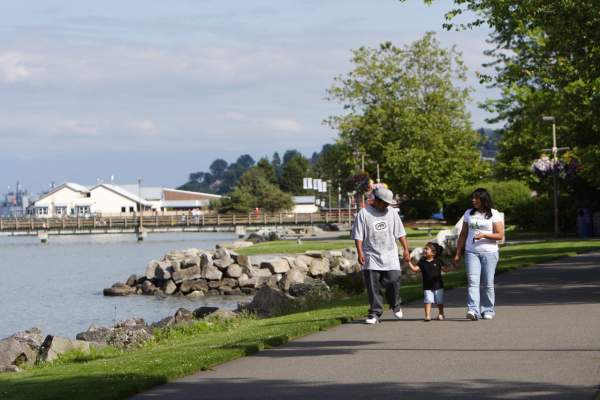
372 319
471 316
398 314
488 316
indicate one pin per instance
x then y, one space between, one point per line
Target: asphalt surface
543 344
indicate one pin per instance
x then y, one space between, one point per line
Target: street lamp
555 150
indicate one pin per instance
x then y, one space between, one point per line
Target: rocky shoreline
222 272
279 283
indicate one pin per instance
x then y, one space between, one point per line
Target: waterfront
58 286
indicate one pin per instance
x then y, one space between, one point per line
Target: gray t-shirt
379 232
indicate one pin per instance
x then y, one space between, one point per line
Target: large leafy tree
295 167
546 60
405 112
255 190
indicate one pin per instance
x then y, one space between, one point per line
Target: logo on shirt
380 226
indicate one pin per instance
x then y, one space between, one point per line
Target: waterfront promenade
543 344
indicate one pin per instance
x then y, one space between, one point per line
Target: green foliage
509 197
295 167
405 113
255 190
419 208
545 62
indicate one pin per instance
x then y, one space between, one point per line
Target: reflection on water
58 286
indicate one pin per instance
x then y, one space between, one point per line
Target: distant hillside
489 142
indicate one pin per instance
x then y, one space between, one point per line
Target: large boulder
32 337
254 272
245 281
243 261
54 346
14 353
234 271
170 287
119 289
269 301
279 266
187 274
190 261
194 285
148 288
309 287
212 273
205 260
98 334
319 267
203 311
293 277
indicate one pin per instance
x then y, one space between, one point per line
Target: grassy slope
111 374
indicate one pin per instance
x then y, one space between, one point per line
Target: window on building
130 209
123 209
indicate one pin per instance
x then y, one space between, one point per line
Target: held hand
456 259
406 255
361 259
479 236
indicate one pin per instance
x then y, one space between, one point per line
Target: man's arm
405 253
359 250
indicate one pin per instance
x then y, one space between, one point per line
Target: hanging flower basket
566 167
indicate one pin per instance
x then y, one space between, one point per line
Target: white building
305 205
71 199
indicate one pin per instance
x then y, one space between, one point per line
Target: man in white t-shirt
375 232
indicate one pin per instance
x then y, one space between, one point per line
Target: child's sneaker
440 317
398 314
488 316
372 319
471 316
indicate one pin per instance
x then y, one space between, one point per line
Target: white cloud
284 125
144 127
13 68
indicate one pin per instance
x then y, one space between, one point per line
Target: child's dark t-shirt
432 274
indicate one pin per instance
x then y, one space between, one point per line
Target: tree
295 167
254 190
405 113
268 170
546 58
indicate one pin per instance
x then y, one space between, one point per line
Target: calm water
58 286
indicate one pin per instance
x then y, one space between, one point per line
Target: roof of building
125 193
147 192
70 185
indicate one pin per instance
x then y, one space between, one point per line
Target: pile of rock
197 273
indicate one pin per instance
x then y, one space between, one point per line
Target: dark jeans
375 281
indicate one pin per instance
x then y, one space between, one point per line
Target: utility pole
140 234
555 150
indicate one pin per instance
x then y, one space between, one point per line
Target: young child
431 268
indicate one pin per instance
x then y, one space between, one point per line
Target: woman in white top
481 230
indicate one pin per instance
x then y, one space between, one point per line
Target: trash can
596 223
585 227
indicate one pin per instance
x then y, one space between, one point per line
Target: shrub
509 197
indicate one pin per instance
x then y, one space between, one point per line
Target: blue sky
154 89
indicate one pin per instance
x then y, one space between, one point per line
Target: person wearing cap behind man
375 231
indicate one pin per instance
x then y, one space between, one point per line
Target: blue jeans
480 275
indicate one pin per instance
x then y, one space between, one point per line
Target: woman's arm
498 233
460 244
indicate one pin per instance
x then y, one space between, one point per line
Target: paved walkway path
543 344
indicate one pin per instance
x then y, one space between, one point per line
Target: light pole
555 150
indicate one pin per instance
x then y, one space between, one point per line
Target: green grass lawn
112 374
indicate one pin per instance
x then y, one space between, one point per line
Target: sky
155 90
